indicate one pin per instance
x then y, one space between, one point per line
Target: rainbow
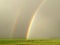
15 22
33 17
31 21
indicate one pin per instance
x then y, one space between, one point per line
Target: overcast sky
29 7
15 16
46 23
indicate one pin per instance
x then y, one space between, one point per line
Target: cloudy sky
15 16
46 21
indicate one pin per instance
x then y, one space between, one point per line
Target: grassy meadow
29 42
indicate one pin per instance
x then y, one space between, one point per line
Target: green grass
29 42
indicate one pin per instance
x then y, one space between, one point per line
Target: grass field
29 42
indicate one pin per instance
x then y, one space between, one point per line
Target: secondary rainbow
15 22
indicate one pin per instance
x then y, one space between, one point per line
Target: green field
29 42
